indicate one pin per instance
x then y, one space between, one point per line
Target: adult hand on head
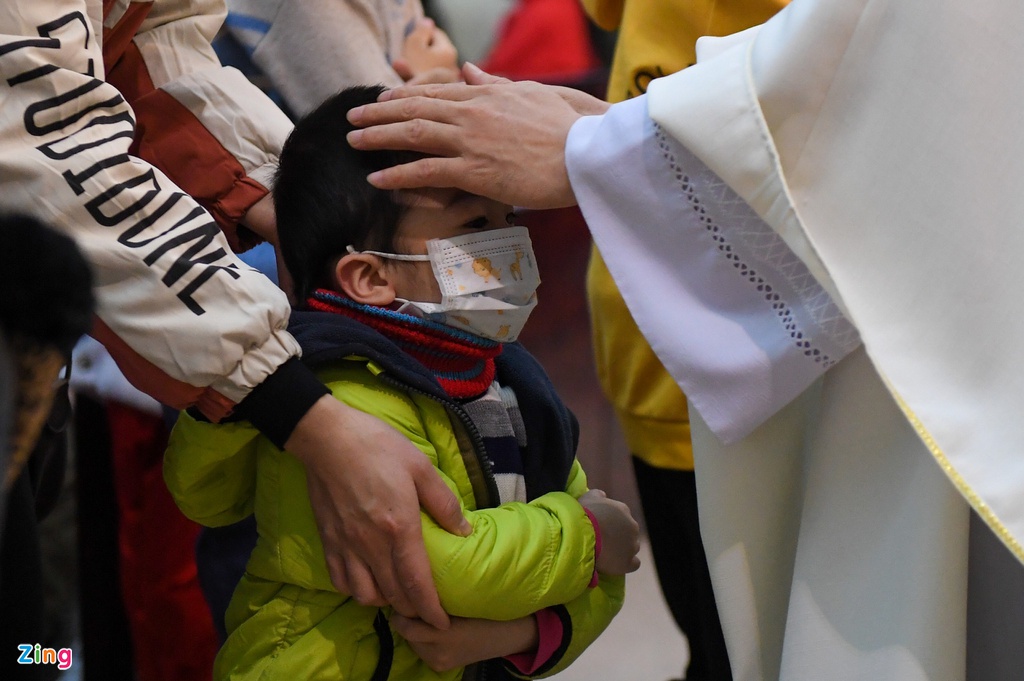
580 101
489 136
366 485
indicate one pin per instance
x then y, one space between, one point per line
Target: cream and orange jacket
120 127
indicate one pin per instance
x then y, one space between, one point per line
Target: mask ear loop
390 256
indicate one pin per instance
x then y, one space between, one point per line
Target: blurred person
7 397
781 222
124 131
46 305
546 40
154 571
539 578
657 38
310 50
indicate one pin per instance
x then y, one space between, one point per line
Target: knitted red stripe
463 368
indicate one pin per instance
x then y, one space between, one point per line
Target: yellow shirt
656 38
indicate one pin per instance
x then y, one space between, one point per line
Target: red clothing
173 638
545 40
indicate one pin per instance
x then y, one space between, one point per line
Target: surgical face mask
488 282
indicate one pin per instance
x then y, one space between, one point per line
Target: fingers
475 75
397 572
591 496
410 555
427 642
337 571
410 628
581 102
361 583
426 172
417 595
394 128
349 573
454 92
441 503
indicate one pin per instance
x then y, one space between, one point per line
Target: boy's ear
361 277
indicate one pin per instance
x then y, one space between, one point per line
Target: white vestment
850 161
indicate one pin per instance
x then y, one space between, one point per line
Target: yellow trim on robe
983 510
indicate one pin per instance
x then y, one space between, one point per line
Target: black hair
47 285
321 197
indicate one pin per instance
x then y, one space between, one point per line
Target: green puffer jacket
286 621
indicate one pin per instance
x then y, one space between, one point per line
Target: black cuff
276 405
556 657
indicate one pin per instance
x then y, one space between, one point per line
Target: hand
467 640
364 481
580 101
427 47
620 534
262 220
502 140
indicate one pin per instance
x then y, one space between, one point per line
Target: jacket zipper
483 668
476 439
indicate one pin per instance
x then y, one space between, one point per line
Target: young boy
409 298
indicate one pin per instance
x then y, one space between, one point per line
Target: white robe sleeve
732 313
889 162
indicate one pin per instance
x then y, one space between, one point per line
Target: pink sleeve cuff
597 545
549 633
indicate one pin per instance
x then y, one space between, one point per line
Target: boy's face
436 214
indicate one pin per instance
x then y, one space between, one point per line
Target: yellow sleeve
520 558
210 470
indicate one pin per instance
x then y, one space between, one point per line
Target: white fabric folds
903 157
735 317
880 142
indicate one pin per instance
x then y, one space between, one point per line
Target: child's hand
427 49
620 534
467 640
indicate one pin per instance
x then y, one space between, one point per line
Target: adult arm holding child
139 111
470 128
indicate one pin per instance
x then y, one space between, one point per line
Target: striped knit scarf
462 363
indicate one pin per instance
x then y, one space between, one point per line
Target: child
409 300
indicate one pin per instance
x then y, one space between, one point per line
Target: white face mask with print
488 282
